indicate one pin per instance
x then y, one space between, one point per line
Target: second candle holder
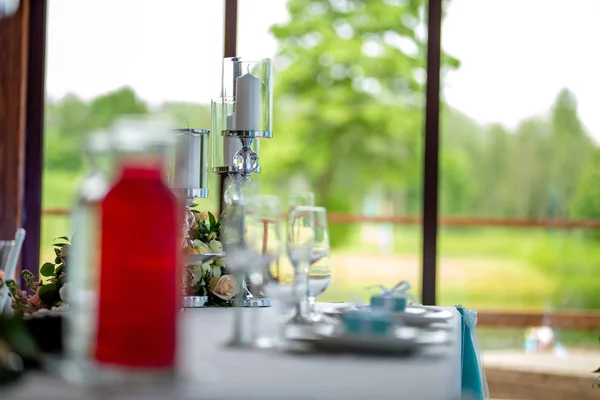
241 115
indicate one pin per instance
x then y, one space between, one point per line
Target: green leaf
57 260
47 269
212 220
57 252
597 371
62 237
60 244
49 294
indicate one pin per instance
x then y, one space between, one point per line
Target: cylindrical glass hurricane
250 83
189 163
224 147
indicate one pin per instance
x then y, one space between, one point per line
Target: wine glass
319 270
264 213
300 241
243 259
301 199
273 277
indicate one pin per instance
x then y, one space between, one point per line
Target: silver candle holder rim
250 134
193 131
230 169
187 193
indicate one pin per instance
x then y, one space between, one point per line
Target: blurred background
519 153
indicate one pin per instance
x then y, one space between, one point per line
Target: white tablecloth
216 372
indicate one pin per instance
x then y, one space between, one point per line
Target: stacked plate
415 316
414 329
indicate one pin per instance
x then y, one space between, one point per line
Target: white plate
416 316
405 340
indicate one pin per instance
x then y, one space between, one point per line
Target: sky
515 54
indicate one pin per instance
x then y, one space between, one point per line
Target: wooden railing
568 319
335 218
581 320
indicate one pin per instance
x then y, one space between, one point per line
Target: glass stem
312 302
309 300
298 305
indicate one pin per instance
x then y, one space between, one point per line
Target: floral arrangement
43 294
211 278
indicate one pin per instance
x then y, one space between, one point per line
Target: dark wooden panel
230 50
431 156
13 73
34 134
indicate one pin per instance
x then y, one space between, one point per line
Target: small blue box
369 323
388 303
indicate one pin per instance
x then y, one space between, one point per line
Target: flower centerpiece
210 279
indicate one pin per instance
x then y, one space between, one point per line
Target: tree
349 104
586 202
104 110
570 150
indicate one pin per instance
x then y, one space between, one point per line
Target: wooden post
13 90
34 132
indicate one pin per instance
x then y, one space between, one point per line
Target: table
216 372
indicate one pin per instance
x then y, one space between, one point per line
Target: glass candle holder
224 146
250 83
189 163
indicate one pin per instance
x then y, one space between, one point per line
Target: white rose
63 293
206 268
220 262
224 287
215 246
216 271
201 247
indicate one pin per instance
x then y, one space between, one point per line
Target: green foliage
348 100
47 269
205 229
586 202
49 293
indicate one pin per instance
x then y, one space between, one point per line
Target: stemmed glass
272 276
302 199
319 271
243 259
300 242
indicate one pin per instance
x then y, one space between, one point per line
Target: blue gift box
368 323
394 303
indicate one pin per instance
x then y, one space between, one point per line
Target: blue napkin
474 384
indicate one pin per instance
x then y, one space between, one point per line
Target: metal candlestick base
252 302
195 301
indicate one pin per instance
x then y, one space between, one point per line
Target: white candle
187 163
247 103
231 145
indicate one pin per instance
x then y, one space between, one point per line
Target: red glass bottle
138 269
